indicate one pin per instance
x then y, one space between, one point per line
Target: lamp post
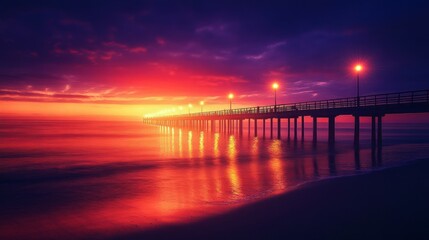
202 104
358 68
275 87
230 96
189 106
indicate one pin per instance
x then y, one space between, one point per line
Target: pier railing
409 97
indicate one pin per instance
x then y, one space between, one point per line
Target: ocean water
84 179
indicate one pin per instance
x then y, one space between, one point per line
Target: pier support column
373 130
314 129
240 126
302 128
256 127
379 133
279 127
248 127
331 129
263 128
271 128
233 126
288 129
295 129
357 130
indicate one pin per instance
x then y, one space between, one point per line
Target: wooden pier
373 106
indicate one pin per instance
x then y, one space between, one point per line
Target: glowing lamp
358 68
231 96
275 85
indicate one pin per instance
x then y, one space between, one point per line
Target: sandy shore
385 204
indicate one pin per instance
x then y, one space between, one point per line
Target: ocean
76 178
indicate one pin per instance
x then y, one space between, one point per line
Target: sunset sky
99 58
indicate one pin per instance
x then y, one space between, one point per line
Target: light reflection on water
106 177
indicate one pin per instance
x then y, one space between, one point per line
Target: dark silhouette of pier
373 106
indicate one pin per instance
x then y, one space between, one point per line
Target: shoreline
385 203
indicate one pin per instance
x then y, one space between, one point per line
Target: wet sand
390 203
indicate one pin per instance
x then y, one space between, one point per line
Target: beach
389 203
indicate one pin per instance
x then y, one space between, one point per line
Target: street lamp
189 106
275 87
230 96
202 104
358 68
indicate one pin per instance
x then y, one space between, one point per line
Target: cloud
249 95
269 49
138 50
115 44
111 50
103 96
135 49
66 88
161 41
257 57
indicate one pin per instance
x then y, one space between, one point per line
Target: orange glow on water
201 144
127 175
216 151
276 165
232 167
190 149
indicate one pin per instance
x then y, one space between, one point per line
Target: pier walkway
373 106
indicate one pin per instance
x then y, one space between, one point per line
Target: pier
372 106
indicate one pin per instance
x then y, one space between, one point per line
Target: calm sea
72 179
